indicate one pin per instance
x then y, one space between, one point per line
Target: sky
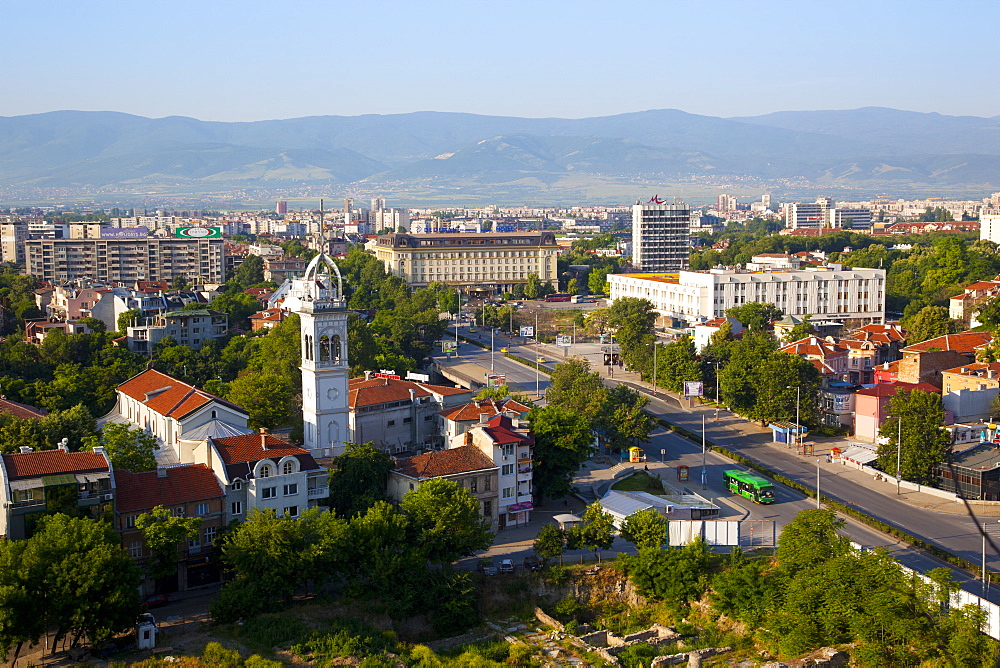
250 60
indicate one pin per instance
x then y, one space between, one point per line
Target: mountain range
865 150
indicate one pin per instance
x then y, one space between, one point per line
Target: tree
445 523
929 323
676 576
572 286
676 363
532 288
126 317
597 532
622 420
597 282
267 398
810 540
562 443
634 318
238 307
358 478
739 378
129 448
573 386
163 532
925 443
802 330
76 425
250 272
646 528
755 316
550 542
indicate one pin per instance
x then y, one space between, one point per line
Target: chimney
25 449
64 445
484 418
263 438
468 438
413 396
368 375
161 472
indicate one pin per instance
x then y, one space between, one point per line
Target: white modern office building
660 235
825 293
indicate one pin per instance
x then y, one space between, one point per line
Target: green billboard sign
198 232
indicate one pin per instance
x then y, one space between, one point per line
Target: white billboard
694 388
527 331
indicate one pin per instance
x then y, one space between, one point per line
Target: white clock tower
318 299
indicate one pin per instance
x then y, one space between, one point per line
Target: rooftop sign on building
124 232
198 232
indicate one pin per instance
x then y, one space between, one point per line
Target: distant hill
870 147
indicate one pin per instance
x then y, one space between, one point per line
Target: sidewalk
729 426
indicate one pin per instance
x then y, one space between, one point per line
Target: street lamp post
718 400
798 404
817 483
704 472
492 330
654 368
984 559
899 449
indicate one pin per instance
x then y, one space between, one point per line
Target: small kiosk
635 455
788 433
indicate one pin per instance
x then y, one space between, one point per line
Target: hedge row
840 507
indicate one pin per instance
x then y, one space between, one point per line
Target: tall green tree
676 363
811 539
597 532
550 542
445 523
250 272
532 289
929 323
125 318
267 398
164 533
358 478
562 443
129 448
633 319
622 422
925 442
755 316
575 387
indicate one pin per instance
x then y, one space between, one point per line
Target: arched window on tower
309 347
324 348
337 350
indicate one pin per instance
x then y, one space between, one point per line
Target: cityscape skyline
254 61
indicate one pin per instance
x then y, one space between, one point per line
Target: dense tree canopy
925 442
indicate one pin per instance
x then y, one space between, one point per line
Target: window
428 418
265 471
474 485
195 544
179 511
201 509
292 511
411 486
487 509
237 485
237 508
407 420
135 550
487 483
215 414
209 535
507 469
508 492
287 468
269 492
390 423
291 490
130 522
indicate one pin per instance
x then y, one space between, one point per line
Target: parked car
155 601
505 350
507 566
532 563
487 567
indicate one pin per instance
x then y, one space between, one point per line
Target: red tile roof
975 369
181 484
21 410
813 345
169 396
501 430
889 389
965 343
241 453
52 462
463 459
376 391
982 285
475 409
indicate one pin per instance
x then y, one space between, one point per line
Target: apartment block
660 235
12 238
123 261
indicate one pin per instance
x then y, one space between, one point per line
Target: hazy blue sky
255 59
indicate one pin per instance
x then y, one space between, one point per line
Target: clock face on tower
333 393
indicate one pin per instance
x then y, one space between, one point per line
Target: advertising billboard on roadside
494 380
198 232
527 331
449 346
124 232
693 388
564 340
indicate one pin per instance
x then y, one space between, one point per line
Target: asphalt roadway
947 524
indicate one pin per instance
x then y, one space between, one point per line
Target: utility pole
817 483
654 376
492 330
899 449
704 471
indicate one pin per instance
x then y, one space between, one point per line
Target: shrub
217 655
275 631
566 608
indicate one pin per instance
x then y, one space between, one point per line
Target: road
957 533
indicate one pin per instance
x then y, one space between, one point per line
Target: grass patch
640 481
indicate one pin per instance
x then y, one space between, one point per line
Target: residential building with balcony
35 331
263 472
968 391
829 358
400 416
966 306
510 445
660 235
35 484
124 261
466 465
188 328
924 362
184 490
461 419
486 263
871 406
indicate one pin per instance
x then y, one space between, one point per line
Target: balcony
318 492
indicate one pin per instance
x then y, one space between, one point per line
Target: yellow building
487 263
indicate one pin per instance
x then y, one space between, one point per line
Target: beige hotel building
485 263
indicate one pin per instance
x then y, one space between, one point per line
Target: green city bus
753 487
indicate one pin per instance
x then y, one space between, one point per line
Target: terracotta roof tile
375 391
965 343
501 430
974 367
52 462
463 459
240 453
169 396
21 410
181 484
889 389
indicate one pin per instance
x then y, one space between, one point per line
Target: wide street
920 514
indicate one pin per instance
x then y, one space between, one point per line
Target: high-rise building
725 203
660 238
989 225
12 236
281 208
824 213
765 199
